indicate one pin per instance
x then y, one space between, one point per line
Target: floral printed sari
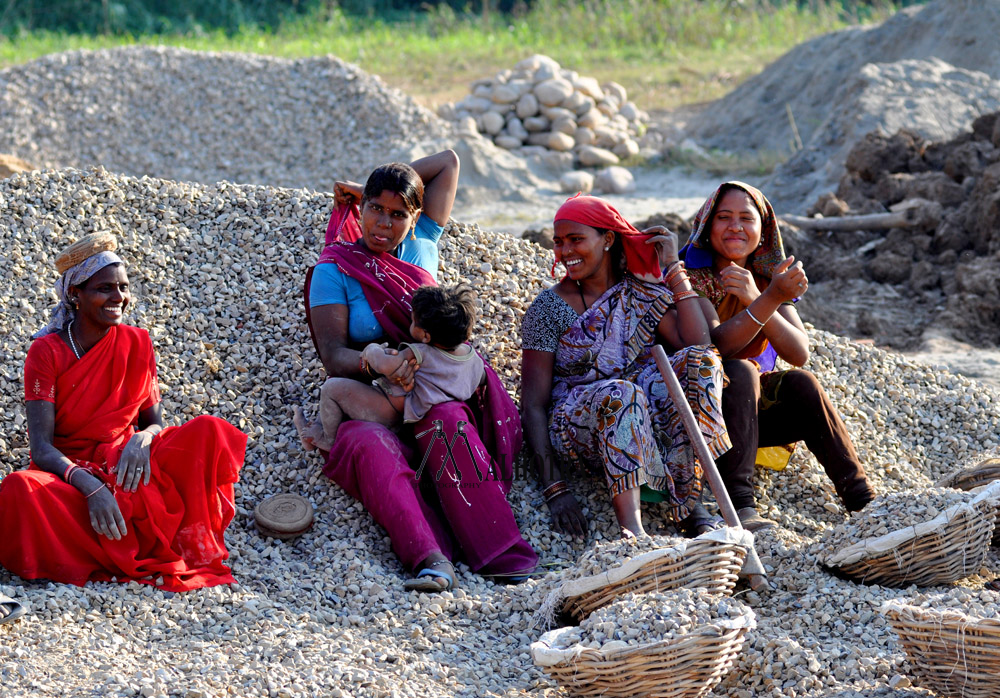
611 410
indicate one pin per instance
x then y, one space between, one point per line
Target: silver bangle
759 323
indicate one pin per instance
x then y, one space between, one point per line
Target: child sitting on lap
449 369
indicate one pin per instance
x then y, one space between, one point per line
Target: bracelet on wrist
556 489
96 490
684 295
68 473
752 317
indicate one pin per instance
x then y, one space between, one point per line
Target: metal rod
753 567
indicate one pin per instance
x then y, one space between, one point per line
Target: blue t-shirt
330 286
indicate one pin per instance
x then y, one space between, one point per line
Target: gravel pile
219 270
979 604
602 556
206 117
637 619
893 512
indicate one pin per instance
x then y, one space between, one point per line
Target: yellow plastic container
775 457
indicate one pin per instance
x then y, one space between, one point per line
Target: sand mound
929 68
219 270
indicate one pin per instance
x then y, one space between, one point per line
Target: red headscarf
641 259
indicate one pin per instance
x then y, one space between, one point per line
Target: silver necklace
72 344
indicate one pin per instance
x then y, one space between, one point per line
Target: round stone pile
219 271
539 104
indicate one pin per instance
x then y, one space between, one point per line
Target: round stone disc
283 515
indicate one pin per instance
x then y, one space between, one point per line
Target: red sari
175 524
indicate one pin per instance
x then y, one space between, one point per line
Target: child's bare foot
304 428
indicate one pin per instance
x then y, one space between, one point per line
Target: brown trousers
782 408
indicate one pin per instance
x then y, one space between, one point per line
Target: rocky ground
219 270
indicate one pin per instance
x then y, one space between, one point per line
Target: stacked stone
538 104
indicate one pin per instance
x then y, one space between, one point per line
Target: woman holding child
360 295
736 260
591 393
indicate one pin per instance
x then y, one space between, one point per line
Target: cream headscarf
77 263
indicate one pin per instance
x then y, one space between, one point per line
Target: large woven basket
982 473
686 667
949 652
705 563
949 547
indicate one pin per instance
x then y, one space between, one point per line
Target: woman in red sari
110 494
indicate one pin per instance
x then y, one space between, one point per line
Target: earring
607 248
413 233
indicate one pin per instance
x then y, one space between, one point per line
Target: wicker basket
949 547
685 667
982 473
704 562
949 652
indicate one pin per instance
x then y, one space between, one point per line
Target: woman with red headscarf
591 394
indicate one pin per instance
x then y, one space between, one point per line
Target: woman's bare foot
305 429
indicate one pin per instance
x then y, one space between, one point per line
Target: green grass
667 53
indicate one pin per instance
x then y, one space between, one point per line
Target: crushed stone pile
930 68
944 271
895 511
219 271
636 619
206 117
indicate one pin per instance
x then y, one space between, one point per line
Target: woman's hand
105 516
567 517
739 282
789 279
666 244
133 465
346 193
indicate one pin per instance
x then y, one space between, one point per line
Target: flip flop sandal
14 609
753 522
428 579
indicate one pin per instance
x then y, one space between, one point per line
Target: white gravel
219 271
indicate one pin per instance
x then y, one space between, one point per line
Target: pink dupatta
388 284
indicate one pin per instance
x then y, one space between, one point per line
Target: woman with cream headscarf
591 394
110 493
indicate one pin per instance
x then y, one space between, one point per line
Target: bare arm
105 516
536 391
439 173
684 326
782 326
330 323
